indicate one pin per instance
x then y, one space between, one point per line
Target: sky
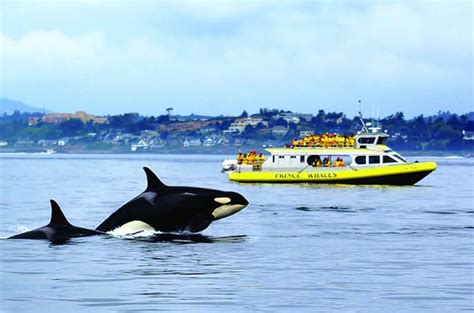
223 57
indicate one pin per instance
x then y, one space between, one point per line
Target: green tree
244 114
72 127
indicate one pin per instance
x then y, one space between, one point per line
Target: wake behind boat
332 159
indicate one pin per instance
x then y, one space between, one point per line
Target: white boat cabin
369 151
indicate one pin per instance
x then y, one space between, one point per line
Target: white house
304 133
238 126
467 135
288 117
142 144
209 142
279 131
192 142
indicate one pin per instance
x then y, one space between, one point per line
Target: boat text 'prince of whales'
172 209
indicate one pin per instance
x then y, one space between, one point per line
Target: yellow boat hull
403 174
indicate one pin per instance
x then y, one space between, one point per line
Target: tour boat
365 161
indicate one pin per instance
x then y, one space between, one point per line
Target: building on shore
238 126
279 130
56 118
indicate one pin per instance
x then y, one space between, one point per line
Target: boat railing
255 165
321 145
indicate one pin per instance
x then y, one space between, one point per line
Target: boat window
388 159
273 158
366 140
341 160
313 158
400 158
361 159
293 157
281 156
302 159
335 160
374 159
382 140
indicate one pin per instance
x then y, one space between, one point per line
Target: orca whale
172 209
58 229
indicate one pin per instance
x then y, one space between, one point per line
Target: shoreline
211 151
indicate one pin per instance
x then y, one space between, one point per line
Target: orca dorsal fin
57 216
154 183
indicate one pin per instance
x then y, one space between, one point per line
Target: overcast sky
221 57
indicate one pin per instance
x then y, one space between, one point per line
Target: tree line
443 131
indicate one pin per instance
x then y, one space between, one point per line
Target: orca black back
58 229
172 208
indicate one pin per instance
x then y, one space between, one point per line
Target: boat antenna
364 128
378 117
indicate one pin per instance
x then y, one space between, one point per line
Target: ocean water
295 248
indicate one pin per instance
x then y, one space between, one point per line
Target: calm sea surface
294 248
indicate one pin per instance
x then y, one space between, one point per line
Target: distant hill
9 106
447 115
192 117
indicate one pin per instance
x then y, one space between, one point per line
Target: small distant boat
50 151
360 160
229 165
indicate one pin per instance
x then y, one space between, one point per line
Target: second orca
58 230
172 209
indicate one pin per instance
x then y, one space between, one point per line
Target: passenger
340 141
327 162
261 158
331 141
317 141
316 162
240 158
251 158
336 163
351 141
295 143
245 159
327 140
341 163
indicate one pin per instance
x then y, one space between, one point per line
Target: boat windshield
366 140
388 159
399 157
